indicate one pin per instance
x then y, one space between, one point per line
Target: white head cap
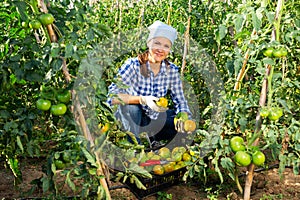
160 29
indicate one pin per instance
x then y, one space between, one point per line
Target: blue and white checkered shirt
168 78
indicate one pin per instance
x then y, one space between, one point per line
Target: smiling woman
149 77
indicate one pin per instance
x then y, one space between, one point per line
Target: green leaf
239 22
45 183
70 182
228 164
89 157
56 65
20 143
69 50
14 166
55 50
256 21
138 183
268 61
21 7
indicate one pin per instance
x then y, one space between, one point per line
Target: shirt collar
163 68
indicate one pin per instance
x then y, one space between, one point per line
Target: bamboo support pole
186 40
243 69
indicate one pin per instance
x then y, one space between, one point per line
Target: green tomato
59 164
264 112
35 24
268 52
279 53
237 144
258 158
58 109
275 113
67 156
64 97
43 104
46 19
242 158
182 115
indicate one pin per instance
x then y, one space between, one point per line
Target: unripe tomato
268 52
264 112
46 19
58 109
64 97
35 24
275 113
59 164
242 158
237 144
258 158
43 104
278 53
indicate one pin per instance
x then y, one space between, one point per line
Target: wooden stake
243 69
186 40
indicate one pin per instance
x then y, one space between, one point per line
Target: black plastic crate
156 183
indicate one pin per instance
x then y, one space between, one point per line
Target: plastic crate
156 183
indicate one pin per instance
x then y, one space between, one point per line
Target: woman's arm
126 98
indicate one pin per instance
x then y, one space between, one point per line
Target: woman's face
159 49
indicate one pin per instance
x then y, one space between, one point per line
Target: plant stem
270 90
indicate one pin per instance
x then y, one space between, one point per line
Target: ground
267 185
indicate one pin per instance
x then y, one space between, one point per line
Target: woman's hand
150 102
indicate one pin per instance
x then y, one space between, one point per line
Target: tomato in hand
275 113
237 144
58 109
43 104
64 97
258 158
46 19
242 158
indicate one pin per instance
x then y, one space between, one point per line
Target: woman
147 78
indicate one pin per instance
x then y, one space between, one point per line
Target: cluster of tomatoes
243 157
273 113
58 109
275 52
43 19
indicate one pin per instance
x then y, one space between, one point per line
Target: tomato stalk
270 90
279 9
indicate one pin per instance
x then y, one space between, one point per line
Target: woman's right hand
150 102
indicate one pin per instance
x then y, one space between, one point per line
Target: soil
267 185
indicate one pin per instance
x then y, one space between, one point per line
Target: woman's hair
143 58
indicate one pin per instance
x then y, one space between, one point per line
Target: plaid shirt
158 86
